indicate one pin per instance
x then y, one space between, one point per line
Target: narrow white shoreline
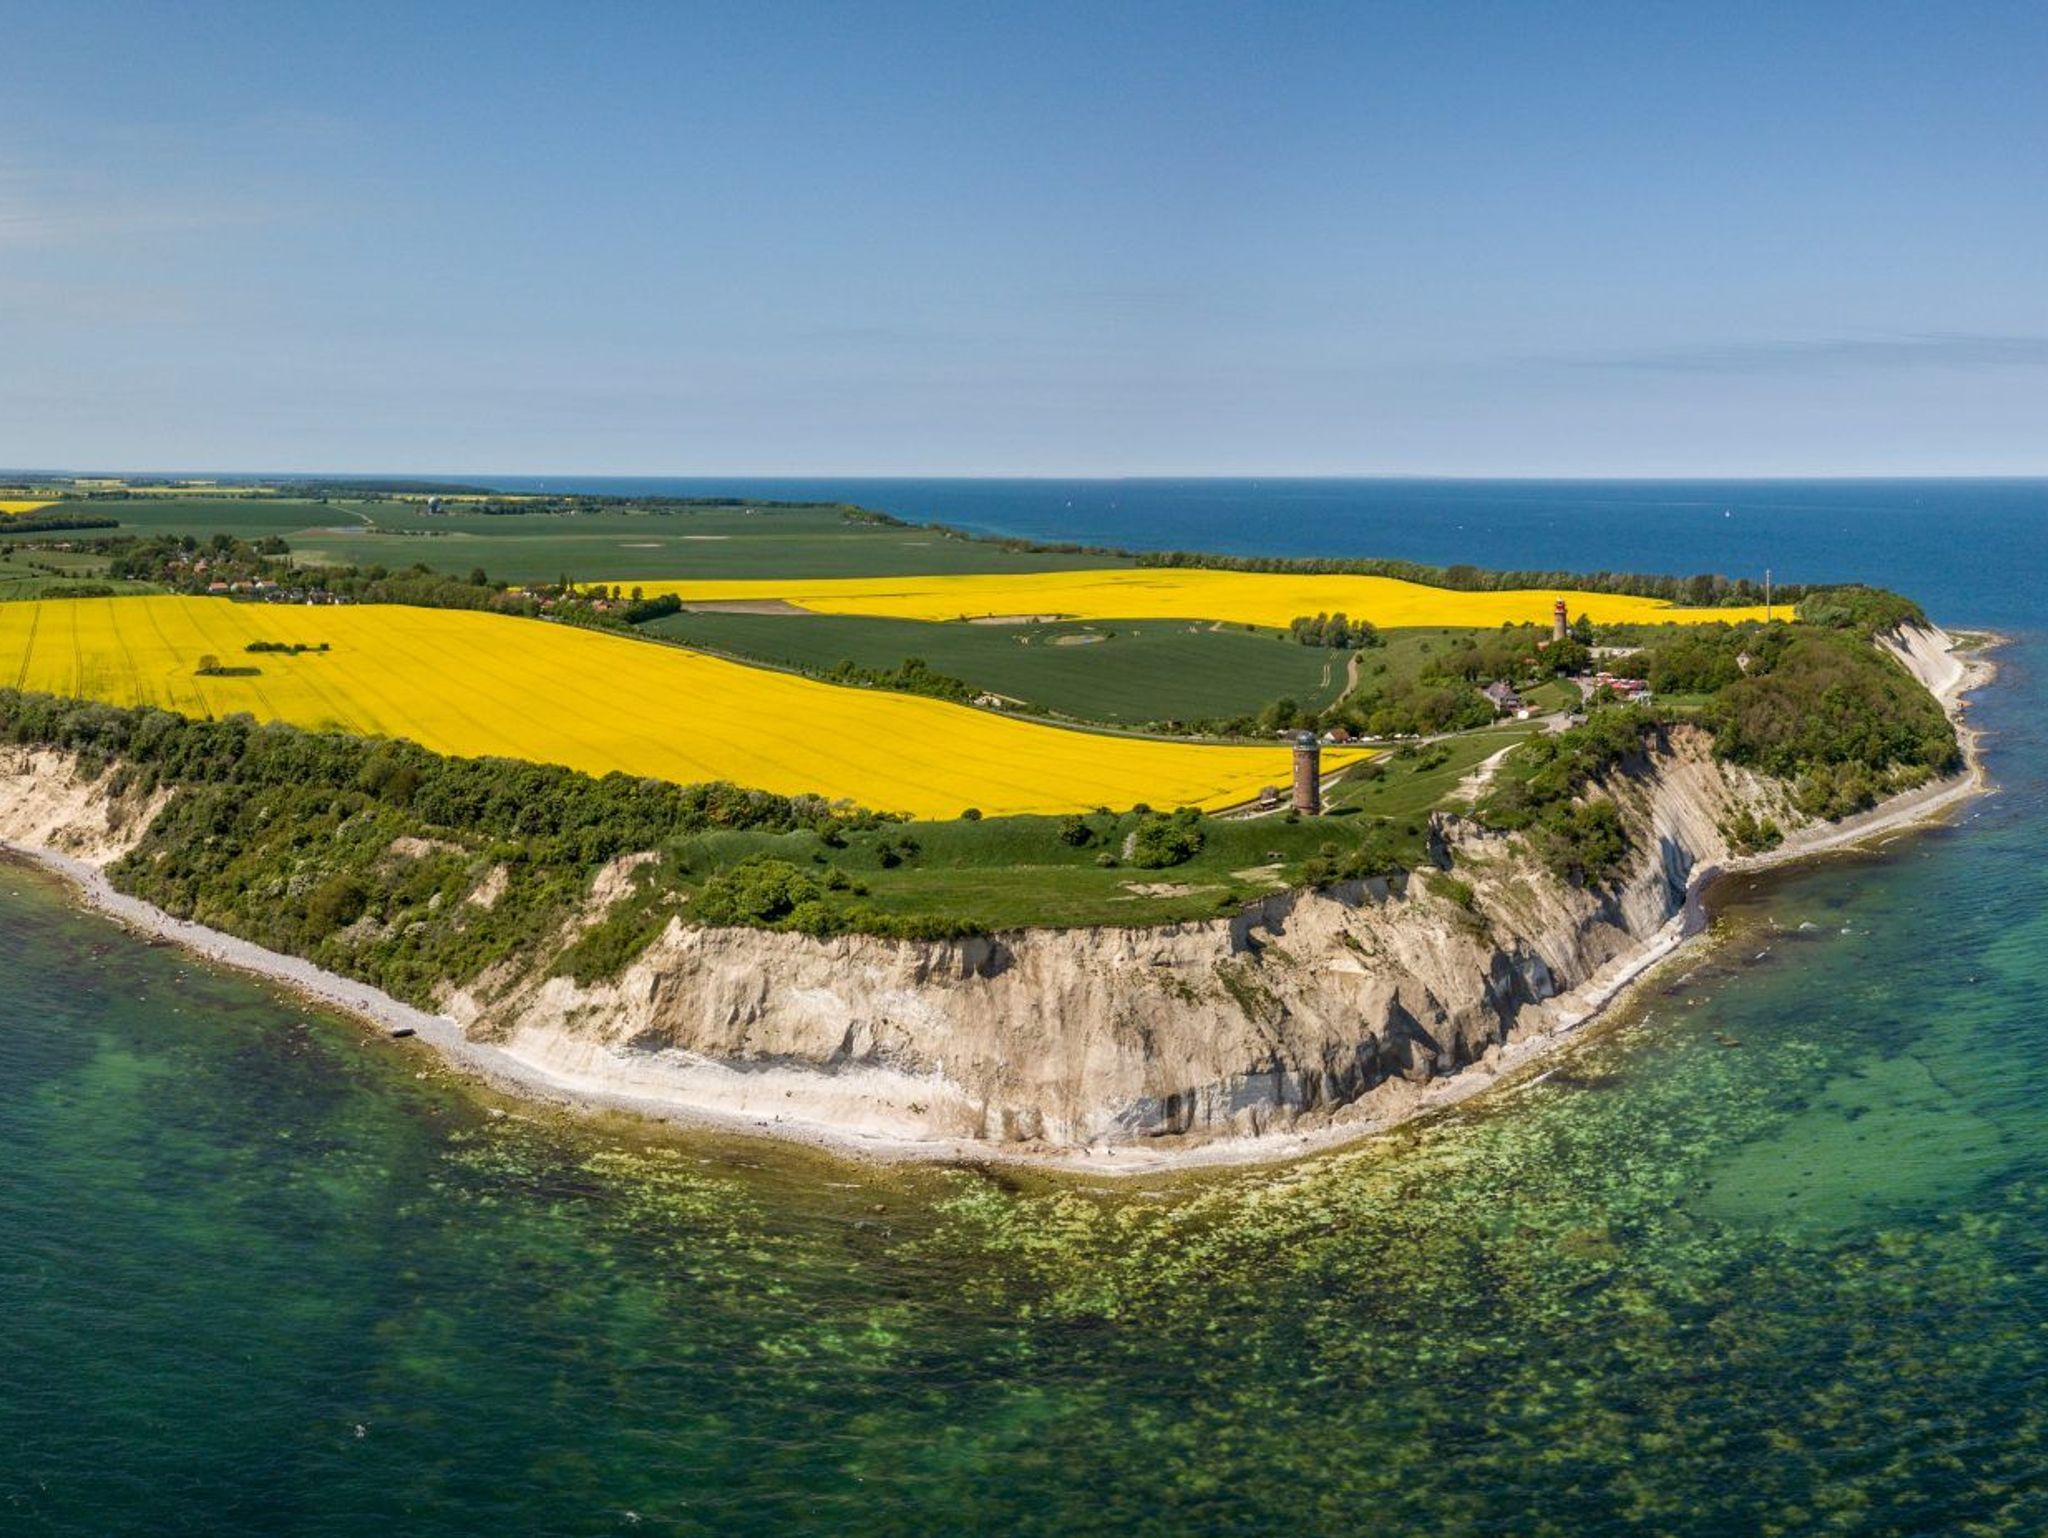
1601 993
481 1060
517 1076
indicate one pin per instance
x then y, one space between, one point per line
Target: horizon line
18 474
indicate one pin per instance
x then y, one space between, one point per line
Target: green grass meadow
29 571
1014 872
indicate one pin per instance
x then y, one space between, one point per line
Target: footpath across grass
1411 781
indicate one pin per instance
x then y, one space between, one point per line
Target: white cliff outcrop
1308 1010
1303 1008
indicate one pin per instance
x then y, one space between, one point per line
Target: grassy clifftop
414 871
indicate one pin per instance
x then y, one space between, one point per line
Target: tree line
1820 708
366 855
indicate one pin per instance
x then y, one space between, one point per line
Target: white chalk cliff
1306 1010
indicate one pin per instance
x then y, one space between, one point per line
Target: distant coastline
1000 968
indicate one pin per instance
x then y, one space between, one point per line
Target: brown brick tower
1560 621
1308 775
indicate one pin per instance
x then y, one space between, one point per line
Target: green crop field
1125 673
607 544
27 571
249 518
619 546
1411 781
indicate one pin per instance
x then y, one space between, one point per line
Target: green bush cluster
1443 884
1379 853
1334 630
1583 841
1868 611
1841 790
1538 786
1748 833
1420 707
639 610
1700 659
1163 839
77 590
912 676
768 893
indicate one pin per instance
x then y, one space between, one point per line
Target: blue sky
1046 239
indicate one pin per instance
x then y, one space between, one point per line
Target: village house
1632 689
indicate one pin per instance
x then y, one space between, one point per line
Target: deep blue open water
1917 535
1769 1255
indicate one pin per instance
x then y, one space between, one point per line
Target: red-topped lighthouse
1560 622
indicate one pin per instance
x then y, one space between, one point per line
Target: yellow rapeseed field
1181 592
10 508
483 684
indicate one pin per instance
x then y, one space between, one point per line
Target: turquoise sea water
1769 1255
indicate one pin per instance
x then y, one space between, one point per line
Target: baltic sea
1769 1254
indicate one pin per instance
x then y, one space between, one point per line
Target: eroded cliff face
48 802
1305 1008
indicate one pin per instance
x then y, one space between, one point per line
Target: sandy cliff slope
1309 1011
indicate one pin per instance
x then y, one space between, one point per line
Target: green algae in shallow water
261 1278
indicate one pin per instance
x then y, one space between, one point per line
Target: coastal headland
1057 982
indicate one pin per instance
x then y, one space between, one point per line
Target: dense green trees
912 676
1539 788
1823 709
1842 720
367 856
1419 707
1828 698
768 893
1866 610
1699 660
1706 589
1334 630
763 892
43 522
641 610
